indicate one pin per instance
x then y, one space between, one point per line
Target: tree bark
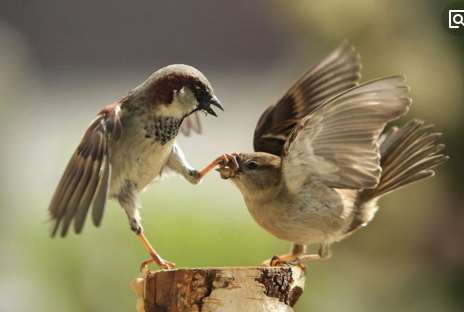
244 289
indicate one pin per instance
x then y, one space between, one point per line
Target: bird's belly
138 161
306 222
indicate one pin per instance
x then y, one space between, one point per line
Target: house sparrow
128 145
320 163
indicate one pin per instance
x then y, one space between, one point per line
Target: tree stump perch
231 289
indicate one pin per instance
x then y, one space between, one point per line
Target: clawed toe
155 257
285 260
276 261
222 161
163 264
282 260
228 165
290 260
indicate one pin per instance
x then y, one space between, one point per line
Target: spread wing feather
87 175
338 143
191 124
336 73
102 194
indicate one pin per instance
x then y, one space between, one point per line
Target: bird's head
177 91
253 173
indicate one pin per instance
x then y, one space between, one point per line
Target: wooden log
228 289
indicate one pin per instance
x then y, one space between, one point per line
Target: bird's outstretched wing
338 143
191 124
86 179
339 71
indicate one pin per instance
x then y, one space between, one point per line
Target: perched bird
128 145
320 161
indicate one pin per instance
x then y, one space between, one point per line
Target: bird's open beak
206 106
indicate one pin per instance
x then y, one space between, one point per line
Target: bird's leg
128 201
292 257
155 257
299 256
224 159
323 253
136 227
298 249
179 164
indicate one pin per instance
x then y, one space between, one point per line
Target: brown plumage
127 147
408 154
320 162
86 177
338 72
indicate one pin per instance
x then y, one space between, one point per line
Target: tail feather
408 154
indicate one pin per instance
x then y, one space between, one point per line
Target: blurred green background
62 61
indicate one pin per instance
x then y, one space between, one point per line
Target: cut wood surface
227 289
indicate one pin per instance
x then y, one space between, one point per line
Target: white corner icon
455 19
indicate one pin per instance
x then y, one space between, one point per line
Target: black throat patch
162 129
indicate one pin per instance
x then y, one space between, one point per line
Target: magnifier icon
456 18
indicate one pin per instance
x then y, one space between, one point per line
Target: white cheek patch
183 102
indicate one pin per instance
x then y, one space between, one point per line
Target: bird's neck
261 195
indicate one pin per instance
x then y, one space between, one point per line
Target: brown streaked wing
99 202
338 143
87 175
97 177
88 168
336 73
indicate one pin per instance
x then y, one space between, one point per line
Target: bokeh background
62 61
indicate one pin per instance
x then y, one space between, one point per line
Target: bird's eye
251 165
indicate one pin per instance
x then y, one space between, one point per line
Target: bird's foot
223 160
162 263
229 166
155 257
284 260
229 159
292 259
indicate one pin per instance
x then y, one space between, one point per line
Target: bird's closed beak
206 106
